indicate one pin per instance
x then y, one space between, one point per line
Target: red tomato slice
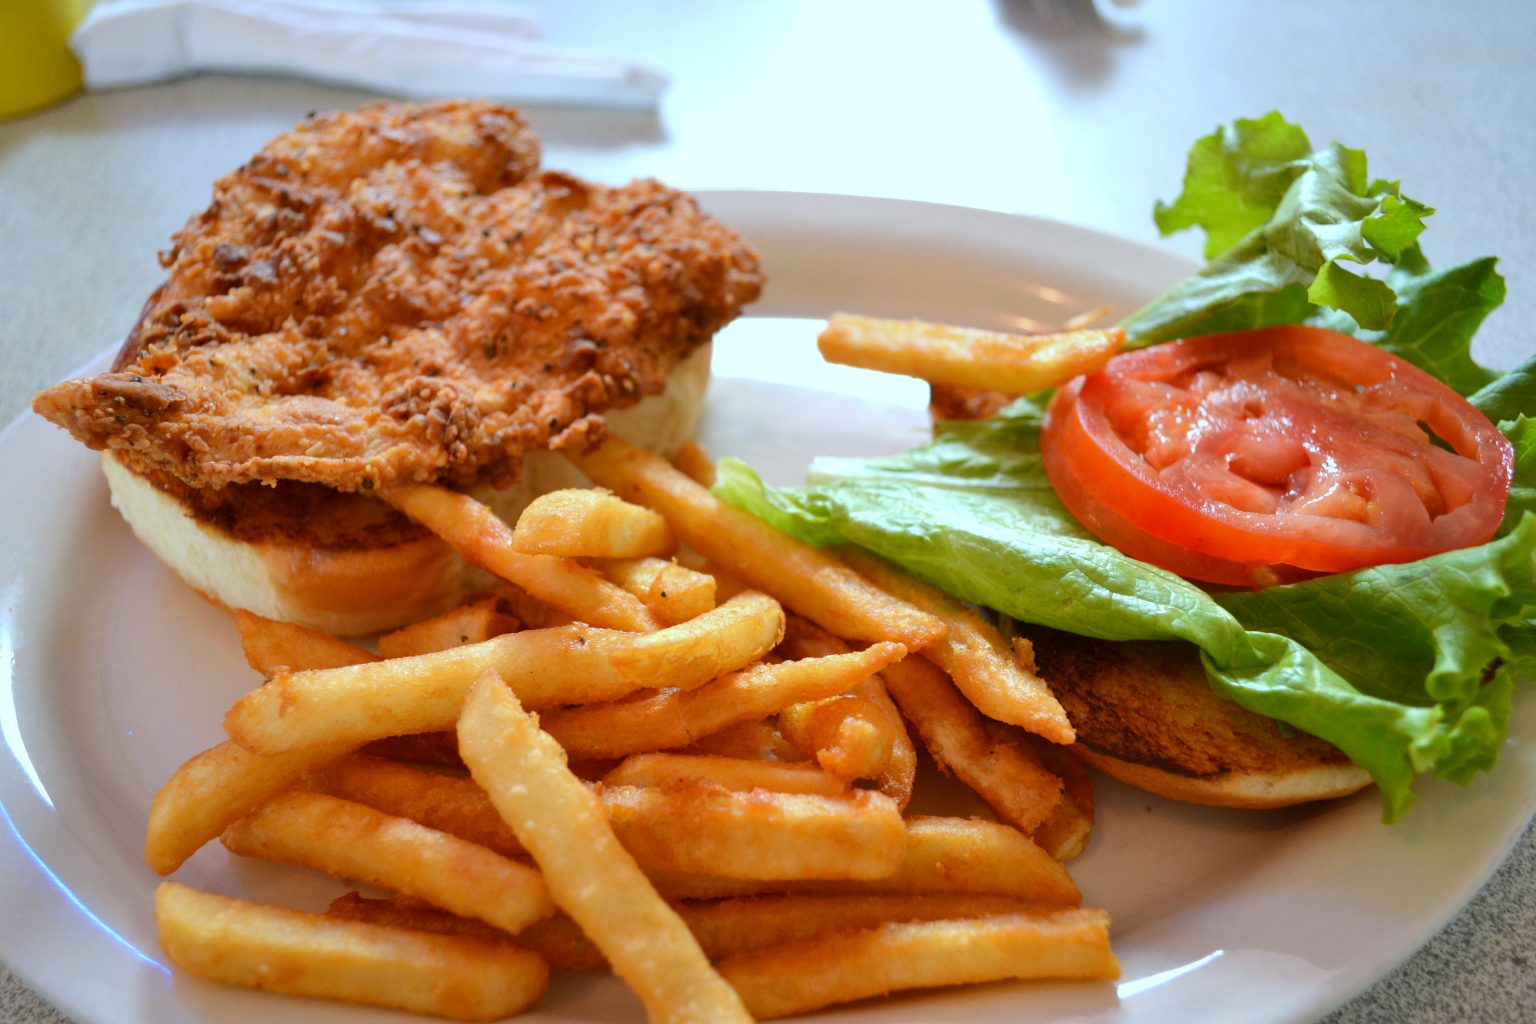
1270 455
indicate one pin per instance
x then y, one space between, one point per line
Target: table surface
1010 105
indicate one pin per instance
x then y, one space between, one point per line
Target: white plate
112 673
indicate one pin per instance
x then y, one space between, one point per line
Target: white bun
367 583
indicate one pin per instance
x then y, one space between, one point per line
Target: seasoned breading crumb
399 294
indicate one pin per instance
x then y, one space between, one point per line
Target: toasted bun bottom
1145 714
1233 789
348 565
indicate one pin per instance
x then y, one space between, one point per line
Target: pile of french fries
672 742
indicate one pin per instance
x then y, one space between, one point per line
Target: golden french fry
803 639
461 808
418 915
722 927
529 610
730 926
694 462
752 741
975 655
547 668
216 788
1015 364
471 623
806 580
1003 769
675 718
481 537
727 583
256 946
845 734
841 967
271 646
672 592
728 772
593 879
699 827
349 840
435 748
579 523
446 803
1066 832
943 855
557 939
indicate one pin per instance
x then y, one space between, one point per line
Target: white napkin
414 48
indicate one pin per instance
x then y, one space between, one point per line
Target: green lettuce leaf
1502 402
1284 227
1438 312
1448 631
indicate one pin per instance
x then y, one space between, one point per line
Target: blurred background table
1034 107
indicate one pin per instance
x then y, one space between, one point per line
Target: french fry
1015 364
435 748
418 915
1066 832
586 523
348 840
674 718
271 646
730 926
557 939
806 580
703 828
842 967
694 462
722 927
845 734
218 787
975 655
727 583
803 639
672 592
471 623
256 946
547 668
529 610
752 741
727 772
446 803
661 831
592 878
943 855
481 537
1003 770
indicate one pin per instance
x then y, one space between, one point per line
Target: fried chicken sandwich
392 295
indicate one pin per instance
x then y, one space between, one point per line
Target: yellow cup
36 67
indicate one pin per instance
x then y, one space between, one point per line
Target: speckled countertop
987 104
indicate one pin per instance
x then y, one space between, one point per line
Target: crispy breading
398 294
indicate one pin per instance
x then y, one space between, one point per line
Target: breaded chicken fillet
399 294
